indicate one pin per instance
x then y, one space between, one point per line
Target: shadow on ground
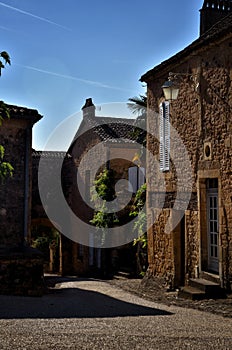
71 303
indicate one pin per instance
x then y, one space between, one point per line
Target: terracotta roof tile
49 154
110 129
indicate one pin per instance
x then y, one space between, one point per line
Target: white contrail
86 81
8 29
31 15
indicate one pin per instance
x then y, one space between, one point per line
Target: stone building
44 232
190 196
21 267
100 142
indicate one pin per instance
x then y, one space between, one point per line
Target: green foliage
103 188
2 152
140 197
140 229
4 112
101 219
4 57
42 244
6 168
140 222
43 237
138 105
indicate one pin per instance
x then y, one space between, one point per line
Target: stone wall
192 243
90 155
201 115
12 191
162 262
21 273
21 269
74 258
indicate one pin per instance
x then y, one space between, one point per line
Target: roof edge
24 113
212 34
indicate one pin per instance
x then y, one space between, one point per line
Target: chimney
213 11
89 108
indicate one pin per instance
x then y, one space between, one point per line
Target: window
136 177
164 129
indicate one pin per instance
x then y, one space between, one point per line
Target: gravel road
92 314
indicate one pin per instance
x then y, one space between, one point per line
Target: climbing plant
140 229
102 192
6 168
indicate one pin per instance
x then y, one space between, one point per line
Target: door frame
203 176
213 248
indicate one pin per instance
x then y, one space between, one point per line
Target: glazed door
212 206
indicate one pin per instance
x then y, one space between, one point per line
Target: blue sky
64 51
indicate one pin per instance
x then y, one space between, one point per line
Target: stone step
202 284
210 277
211 289
191 293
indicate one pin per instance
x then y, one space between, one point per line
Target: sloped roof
109 128
221 29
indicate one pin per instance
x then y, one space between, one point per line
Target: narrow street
92 314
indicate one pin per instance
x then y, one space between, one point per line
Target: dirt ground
152 291
85 313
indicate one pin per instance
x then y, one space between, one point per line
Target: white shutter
132 177
141 179
167 136
164 136
161 133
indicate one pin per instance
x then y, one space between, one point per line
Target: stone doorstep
210 277
200 288
204 285
191 293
